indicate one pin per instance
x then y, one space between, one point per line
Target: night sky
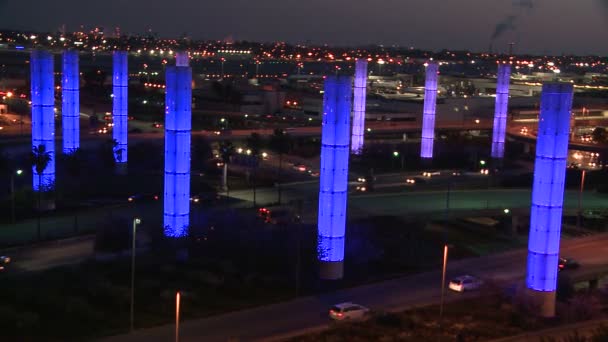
537 26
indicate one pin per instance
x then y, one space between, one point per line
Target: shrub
600 334
565 290
389 320
581 307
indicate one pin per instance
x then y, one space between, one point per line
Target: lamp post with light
579 215
136 221
381 62
177 310
396 154
18 172
443 271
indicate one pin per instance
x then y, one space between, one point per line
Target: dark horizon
472 26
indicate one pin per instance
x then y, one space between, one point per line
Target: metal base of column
121 169
331 270
545 301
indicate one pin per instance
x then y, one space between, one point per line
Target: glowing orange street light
177 300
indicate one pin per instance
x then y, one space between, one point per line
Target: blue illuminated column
70 109
120 86
178 125
359 106
500 111
182 59
428 115
548 193
43 116
334 175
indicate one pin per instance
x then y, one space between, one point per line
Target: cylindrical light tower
182 59
43 118
360 93
428 115
178 126
70 95
334 175
500 111
120 116
548 193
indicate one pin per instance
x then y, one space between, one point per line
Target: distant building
230 53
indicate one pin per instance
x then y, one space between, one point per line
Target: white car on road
347 310
465 283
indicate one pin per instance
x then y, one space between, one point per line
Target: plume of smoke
529 4
506 24
519 7
604 5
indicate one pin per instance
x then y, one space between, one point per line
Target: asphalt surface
411 202
51 254
310 313
407 200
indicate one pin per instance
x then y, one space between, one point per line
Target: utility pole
298 245
136 221
579 217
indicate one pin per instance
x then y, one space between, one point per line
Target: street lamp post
395 155
579 217
447 200
177 302
136 221
445 263
18 173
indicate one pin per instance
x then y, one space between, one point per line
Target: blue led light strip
178 126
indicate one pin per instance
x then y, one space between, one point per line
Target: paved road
411 201
515 132
310 312
50 255
22 143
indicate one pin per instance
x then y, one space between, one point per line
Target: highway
21 143
530 137
50 254
410 203
408 200
302 314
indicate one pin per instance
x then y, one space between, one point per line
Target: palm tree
75 162
254 143
226 152
7 170
117 151
280 142
106 153
40 159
